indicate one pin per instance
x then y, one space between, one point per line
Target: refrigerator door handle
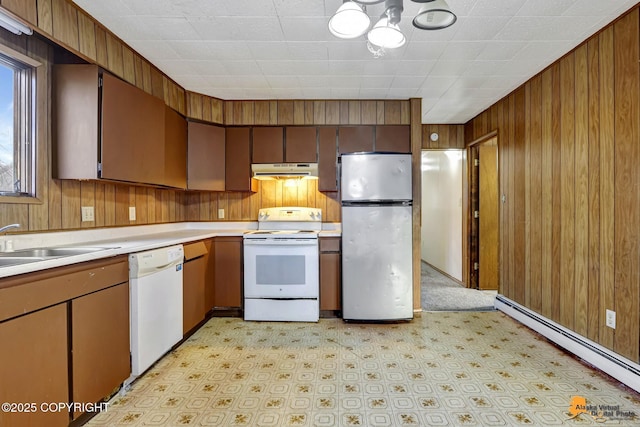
347 203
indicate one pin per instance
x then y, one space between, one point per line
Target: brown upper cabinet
238 160
393 139
268 145
327 159
105 128
353 139
175 149
206 157
301 145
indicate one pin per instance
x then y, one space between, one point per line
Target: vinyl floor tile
441 369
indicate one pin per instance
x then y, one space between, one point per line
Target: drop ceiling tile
305 29
461 50
348 50
480 68
352 68
272 50
497 7
299 8
369 93
167 28
415 67
207 50
253 81
435 87
545 28
545 8
499 50
376 82
344 93
407 82
247 28
154 49
293 67
240 68
402 93
315 93
543 50
244 7
469 82
450 68
308 50
424 50
477 28
282 81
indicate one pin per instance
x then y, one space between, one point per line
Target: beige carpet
453 369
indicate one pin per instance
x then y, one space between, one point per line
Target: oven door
281 268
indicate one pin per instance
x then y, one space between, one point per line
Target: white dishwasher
155 305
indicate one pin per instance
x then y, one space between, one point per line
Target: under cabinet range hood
267 171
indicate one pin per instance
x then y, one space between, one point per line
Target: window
17 146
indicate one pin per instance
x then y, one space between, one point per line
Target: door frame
472 250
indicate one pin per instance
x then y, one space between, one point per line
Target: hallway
441 293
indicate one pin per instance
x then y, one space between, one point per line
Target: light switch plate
87 213
132 213
220 213
611 319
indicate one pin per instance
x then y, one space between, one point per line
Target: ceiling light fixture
386 32
11 23
434 15
349 21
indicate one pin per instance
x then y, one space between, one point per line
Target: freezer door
377 278
376 177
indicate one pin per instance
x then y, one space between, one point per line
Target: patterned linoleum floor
453 369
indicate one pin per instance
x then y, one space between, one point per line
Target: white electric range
281 266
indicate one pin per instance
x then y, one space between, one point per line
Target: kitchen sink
6 261
24 256
52 252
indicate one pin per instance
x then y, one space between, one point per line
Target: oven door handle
281 242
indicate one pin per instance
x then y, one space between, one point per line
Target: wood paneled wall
449 136
569 142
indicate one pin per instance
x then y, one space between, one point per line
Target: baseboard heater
622 369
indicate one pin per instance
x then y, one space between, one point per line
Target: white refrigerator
377 260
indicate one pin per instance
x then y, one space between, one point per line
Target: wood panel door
353 139
327 159
132 133
228 271
100 343
268 145
238 160
205 157
489 220
34 367
175 149
393 139
301 145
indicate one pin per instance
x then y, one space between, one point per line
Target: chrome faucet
8 227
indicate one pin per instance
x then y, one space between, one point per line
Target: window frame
25 110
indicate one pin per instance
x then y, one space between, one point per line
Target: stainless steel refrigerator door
377 279
376 177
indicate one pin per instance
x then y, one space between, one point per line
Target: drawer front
330 244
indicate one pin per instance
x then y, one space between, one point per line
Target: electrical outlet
132 213
220 213
87 213
611 319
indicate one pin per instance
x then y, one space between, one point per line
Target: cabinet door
209 278
301 145
193 296
100 343
175 149
34 366
268 145
228 271
353 139
393 139
238 160
132 133
205 163
330 273
327 159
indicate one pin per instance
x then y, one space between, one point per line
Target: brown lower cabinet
196 264
330 273
60 325
99 343
227 290
33 367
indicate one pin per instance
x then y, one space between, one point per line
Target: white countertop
126 240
